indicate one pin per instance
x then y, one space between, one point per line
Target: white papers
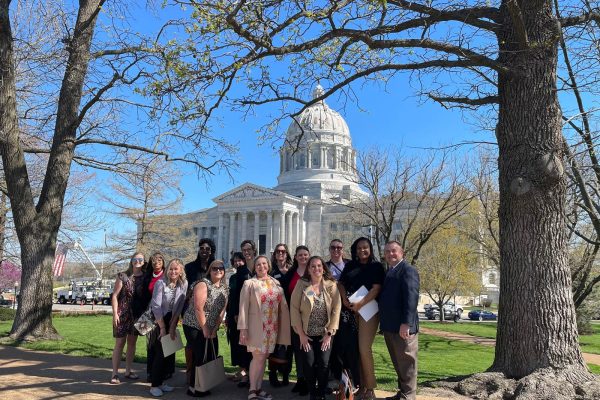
368 310
169 345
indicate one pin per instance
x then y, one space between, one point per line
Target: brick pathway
588 357
29 375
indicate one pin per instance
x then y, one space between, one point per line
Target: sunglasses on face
280 251
337 248
140 260
204 248
216 269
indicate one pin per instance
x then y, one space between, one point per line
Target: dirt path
588 357
32 375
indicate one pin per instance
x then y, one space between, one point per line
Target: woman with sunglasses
203 317
127 305
281 261
264 321
167 302
315 314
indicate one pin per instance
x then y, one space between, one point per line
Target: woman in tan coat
315 312
263 321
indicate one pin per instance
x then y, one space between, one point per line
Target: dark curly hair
355 244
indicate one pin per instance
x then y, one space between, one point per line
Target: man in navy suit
399 319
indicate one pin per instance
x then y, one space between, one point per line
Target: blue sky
386 119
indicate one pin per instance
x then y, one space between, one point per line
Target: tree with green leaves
499 55
72 79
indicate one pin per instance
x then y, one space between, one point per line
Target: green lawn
589 343
438 358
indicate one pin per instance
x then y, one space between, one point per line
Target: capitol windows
315 158
333 227
288 161
330 159
302 161
492 278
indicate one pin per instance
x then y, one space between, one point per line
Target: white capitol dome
317 153
319 117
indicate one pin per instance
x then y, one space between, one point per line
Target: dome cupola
317 151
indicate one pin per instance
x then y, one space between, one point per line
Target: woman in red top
288 282
155 273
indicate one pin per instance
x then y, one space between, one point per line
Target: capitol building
316 177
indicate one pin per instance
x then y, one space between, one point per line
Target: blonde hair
182 278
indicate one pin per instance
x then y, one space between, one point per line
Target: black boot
304 388
285 379
273 378
300 383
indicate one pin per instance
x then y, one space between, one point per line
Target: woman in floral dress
263 321
128 305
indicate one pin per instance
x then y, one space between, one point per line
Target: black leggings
316 366
160 363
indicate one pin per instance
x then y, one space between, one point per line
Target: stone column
281 162
288 225
231 231
297 229
301 238
256 230
308 158
269 245
335 157
220 237
282 227
243 234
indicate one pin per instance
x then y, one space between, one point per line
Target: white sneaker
166 388
156 392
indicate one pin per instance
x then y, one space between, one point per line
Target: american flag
59 259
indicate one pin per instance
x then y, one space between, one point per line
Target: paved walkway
588 357
28 375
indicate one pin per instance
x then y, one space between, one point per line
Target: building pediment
248 191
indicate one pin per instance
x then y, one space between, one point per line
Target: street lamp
15 296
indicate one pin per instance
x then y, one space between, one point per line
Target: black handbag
279 354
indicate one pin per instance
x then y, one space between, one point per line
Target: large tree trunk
37 225
34 315
537 328
537 349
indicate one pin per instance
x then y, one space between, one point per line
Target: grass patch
7 314
438 357
591 343
479 329
588 343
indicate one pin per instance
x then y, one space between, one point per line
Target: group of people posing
280 310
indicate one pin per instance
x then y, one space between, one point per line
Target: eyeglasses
216 269
280 251
336 248
139 260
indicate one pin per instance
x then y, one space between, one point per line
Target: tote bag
211 373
